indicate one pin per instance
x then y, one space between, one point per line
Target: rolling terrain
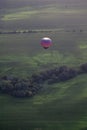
58 106
18 15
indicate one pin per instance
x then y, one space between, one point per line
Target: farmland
59 106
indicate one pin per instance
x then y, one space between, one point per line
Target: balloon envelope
46 42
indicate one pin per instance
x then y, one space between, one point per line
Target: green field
60 106
22 54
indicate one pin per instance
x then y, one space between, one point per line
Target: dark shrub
67 74
29 93
18 93
54 80
62 69
83 68
21 85
72 73
6 86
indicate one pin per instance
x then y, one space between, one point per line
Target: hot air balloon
46 42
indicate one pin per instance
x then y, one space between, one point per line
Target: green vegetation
60 106
47 10
56 106
17 16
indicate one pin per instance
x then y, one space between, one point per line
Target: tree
18 93
83 68
6 86
29 93
62 69
67 74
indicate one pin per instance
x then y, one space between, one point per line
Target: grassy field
61 106
23 55
43 15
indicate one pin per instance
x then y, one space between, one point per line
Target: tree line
38 31
29 87
25 31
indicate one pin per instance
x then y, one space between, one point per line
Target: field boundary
41 31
